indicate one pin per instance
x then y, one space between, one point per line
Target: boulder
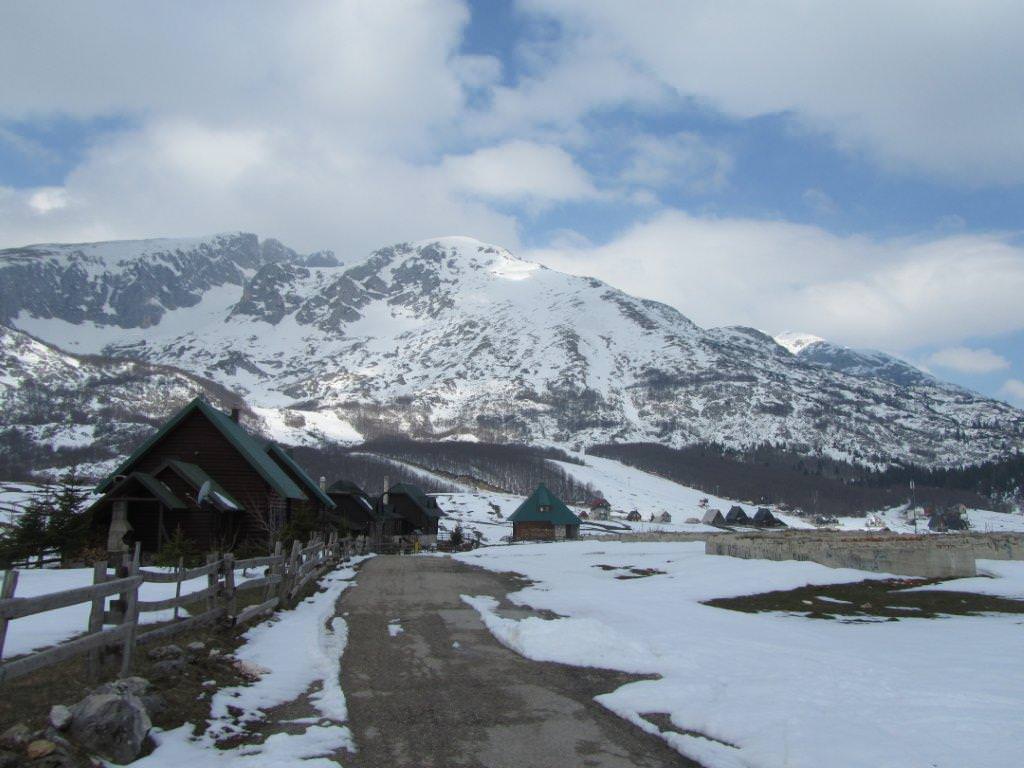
60 717
16 737
39 748
196 647
137 686
168 668
114 726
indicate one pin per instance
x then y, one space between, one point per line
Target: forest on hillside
818 485
514 469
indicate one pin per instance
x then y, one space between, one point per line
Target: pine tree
27 538
67 530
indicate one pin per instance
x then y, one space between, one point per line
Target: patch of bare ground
871 600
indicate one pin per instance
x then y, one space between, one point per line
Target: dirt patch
187 694
632 573
870 600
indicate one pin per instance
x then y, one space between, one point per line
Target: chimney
323 483
234 415
387 486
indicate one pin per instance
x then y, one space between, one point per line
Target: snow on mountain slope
454 336
795 341
863 363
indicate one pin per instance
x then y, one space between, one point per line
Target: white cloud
967 360
316 123
48 199
684 160
1013 390
895 294
937 88
520 171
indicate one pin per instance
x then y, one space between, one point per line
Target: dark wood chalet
406 510
204 474
353 507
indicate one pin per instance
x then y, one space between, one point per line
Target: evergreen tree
27 538
67 530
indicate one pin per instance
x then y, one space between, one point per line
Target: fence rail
283 581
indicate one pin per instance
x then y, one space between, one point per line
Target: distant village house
543 516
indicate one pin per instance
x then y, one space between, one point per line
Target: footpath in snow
770 689
297 653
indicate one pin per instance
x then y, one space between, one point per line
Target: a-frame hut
543 516
764 518
713 517
737 516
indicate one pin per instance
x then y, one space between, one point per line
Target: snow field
770 690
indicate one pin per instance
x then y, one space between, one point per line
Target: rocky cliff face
457 337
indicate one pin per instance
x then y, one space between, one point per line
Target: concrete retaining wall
928 557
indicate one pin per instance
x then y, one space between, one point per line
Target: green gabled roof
557 513
425 503
248 446
313 487
161 492
196 477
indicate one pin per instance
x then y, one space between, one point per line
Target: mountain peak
796 341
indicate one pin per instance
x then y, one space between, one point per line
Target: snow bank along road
427 684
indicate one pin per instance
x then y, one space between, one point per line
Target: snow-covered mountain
456 337
863 363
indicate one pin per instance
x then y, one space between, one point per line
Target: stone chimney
387 487
323 483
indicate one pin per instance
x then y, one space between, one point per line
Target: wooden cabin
204 474
353 507
407 510
543 516
634 517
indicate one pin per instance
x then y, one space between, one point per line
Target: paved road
444 692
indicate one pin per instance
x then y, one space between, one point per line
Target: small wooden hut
544 516
713 517
737 516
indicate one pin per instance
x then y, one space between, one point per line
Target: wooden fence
118 626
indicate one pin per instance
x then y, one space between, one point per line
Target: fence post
95 661
131 615
275 569
177 584
211 583
229 585
10 584
291 570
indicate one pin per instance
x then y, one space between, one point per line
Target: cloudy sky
854 170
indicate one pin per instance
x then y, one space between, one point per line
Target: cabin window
544 508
